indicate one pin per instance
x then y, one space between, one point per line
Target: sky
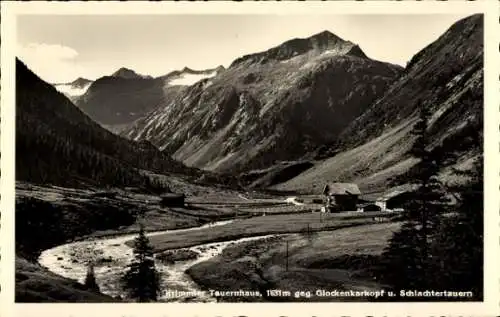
61 48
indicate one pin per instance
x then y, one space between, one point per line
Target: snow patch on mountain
190 79
71 90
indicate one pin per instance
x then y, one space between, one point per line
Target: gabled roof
341 189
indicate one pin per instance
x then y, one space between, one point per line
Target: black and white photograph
249 158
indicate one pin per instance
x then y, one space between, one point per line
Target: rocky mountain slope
372 150
124 96
56 143
270 106
74 89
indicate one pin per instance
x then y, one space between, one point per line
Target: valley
176 230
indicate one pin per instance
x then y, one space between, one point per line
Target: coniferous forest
69 148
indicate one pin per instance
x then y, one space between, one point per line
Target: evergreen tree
142 281
402 260
406 259
90 281
458 249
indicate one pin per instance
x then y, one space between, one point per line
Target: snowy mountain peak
74 89
81 82
127 73
188 76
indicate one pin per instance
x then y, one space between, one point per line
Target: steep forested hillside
56 143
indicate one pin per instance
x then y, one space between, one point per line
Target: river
70 260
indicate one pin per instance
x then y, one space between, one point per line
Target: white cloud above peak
55 51
54 63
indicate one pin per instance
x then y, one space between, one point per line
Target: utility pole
287 255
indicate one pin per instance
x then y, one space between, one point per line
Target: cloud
53 51
54 63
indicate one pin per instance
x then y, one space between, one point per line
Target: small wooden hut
172 200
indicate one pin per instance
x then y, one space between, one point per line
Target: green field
327 260
264 225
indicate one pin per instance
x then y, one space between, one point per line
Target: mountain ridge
319 42
80 81
447 77
119 99
128 73
265 104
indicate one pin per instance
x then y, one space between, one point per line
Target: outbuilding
172 200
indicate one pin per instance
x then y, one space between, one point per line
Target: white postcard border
490 307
